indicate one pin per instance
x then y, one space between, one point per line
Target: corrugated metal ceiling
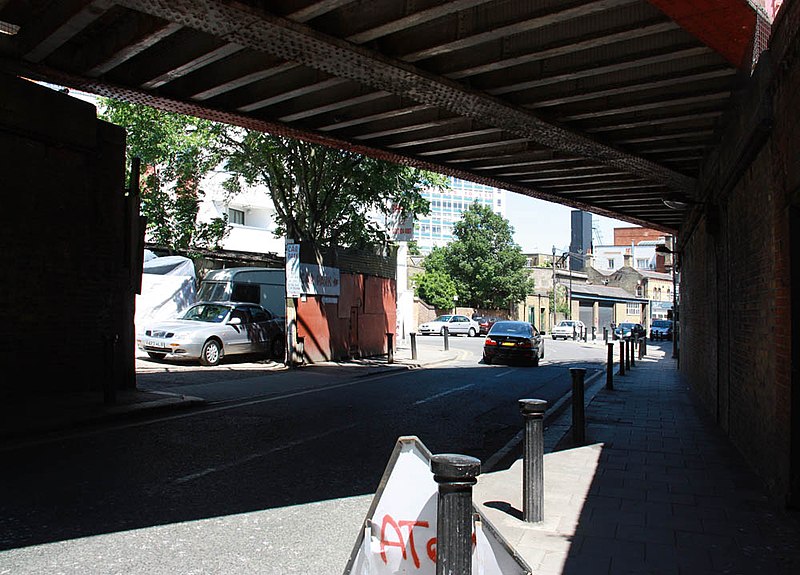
604 105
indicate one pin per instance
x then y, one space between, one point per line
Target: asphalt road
289 454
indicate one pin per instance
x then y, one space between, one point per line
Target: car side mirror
235 321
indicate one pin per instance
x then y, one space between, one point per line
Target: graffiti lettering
399 541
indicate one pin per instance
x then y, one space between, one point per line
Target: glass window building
436 229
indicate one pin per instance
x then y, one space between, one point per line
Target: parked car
568 329
455 324
661 329
513 341
208 331
627 330
486 323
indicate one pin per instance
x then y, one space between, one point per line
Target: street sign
293 284
399 532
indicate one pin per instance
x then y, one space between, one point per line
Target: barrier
533 411
610 366
578 418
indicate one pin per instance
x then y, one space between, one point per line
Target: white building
436 229
250 216
609 259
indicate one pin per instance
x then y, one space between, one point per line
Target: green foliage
176 152
436 288
484 262
327 197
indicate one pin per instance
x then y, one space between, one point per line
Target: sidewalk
656 488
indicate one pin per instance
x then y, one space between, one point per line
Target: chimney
627 260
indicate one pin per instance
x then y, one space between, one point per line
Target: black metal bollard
594 333
578 419
455 474
533 411
627 354
446 338
389 348
605 334
414 345
622 357
610 366
642 347
634 341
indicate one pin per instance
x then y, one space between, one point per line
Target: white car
568 329
454 324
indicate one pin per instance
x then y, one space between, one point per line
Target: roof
601 105
603 292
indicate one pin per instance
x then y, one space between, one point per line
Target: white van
264 286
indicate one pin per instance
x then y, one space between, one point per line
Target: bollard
634 341
446 338
413 345
622 357
610 366
627 354
533 411
585 335
578 419
389 348
594 333
455 474
605 334
642 347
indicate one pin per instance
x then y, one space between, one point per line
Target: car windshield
511 327
212 313
662 323
626 325
566 323
443 318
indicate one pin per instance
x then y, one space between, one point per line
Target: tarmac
654 487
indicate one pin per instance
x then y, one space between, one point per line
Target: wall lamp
679 202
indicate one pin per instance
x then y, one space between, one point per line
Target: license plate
155 343
509 343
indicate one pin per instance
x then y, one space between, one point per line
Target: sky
540 225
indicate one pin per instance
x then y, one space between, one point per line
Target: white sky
540 225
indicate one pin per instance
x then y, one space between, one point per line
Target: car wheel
487 360
212 353
535 362
155 355
278 349
471 332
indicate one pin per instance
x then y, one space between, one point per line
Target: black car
628 330
661 329
513 341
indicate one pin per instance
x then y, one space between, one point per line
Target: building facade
436 229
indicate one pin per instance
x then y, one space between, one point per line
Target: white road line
506 372
448 392
254 456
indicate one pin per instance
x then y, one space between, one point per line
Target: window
611 263
246 292
633 308
641 263
236 216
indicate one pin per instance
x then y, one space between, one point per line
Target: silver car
208 331
453 323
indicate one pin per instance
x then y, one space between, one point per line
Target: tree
326 197
484 262
435 288
176 152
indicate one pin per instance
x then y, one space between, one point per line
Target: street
305 447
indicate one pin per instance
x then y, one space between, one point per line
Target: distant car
486 323
513 341
568 329
627 330
661 329
455 324
208 331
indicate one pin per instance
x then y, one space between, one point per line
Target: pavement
655 487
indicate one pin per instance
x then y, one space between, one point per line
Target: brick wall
736 291
68 287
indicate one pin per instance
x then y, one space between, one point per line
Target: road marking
506 372
254 456
448 392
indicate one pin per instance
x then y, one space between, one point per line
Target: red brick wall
736 293
626 236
